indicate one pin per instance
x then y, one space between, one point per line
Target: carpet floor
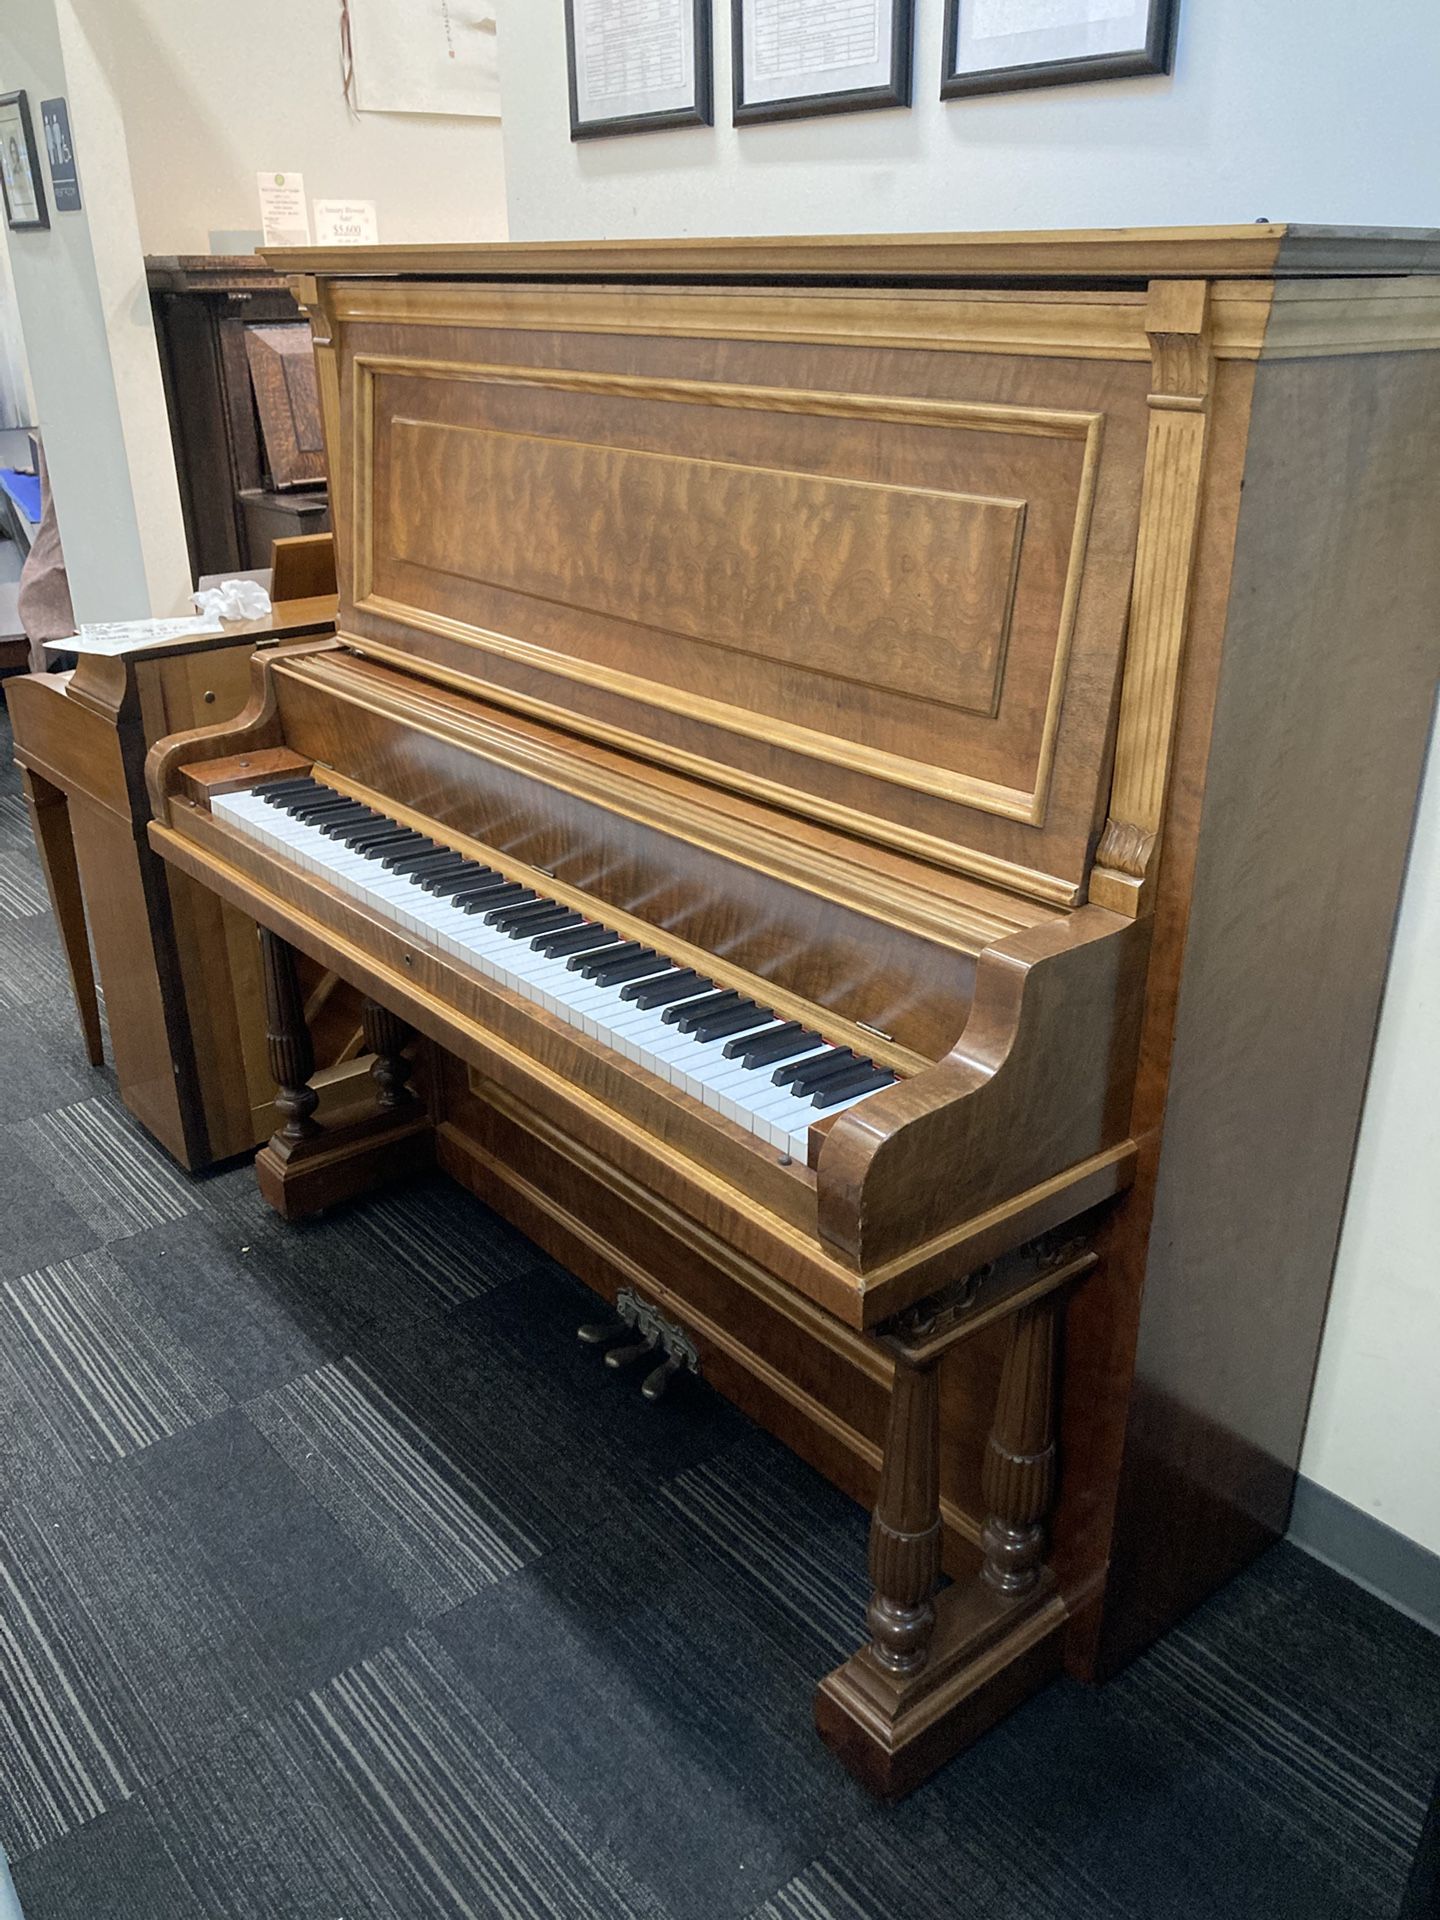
338 1582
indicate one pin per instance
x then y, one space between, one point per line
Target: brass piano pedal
656 1335
596 1332
625 1356
652 1387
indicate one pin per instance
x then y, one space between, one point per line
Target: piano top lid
1263 250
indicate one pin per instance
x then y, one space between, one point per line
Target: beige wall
215 90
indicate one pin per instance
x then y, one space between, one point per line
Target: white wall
1288 110
216 90
85 322
1297 110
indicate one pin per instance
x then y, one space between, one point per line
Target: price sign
346 223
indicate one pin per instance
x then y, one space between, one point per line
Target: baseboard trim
1376 1557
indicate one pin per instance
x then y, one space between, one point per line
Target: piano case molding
1067 773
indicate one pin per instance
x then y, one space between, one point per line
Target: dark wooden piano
867 782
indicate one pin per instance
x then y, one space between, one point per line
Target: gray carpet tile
338 1581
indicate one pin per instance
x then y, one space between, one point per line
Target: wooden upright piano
879 773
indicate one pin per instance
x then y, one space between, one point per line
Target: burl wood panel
738 557
886 590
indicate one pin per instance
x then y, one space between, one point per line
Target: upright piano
867 781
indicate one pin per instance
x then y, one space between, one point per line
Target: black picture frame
26 126
1155 55
897 92
701 114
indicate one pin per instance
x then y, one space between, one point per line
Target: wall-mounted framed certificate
637 65
20 176
999 46
795 58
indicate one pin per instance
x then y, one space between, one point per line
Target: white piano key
747 1096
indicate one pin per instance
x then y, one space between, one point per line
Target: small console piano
866 782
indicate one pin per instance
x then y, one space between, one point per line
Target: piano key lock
656 1335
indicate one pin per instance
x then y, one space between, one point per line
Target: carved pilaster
386 1036
1177 319
291 1053
905 1528
1018 1476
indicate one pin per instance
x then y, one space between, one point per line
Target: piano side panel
882 588
1292 815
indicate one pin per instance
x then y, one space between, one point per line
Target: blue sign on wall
64 175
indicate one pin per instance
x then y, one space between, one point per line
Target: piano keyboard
768 1074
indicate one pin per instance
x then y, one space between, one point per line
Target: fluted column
1018 1477
386 1036
291 1052
905 1528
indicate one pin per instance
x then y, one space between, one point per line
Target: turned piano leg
942 1667
305 1167
287 1040
387 1036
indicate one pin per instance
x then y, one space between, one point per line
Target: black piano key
449 884
402 859
802 1075
312 812
367 830
278 791
667 989
550 921
442 862
762 1049
412 843
844 1086
737 1020
372 835
515 919
686 1018
487 893
490 910
354 811
640 966
583 963
584 938
366 821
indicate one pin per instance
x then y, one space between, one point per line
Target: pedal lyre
656 1335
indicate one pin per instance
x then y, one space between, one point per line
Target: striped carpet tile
65 1752
1360 1812
390 1793
429 1526
22 891
97 1382
747 1509
33 979
101 1164
440 1255
452 1802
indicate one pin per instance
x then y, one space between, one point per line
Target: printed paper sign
284 217
346 223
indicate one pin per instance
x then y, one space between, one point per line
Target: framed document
637 64
20 166
794 58
997 46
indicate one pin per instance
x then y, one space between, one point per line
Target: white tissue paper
234 600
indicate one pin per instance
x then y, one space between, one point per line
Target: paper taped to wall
426 56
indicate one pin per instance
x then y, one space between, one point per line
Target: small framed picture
20 166
795 58
999 46
637 65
